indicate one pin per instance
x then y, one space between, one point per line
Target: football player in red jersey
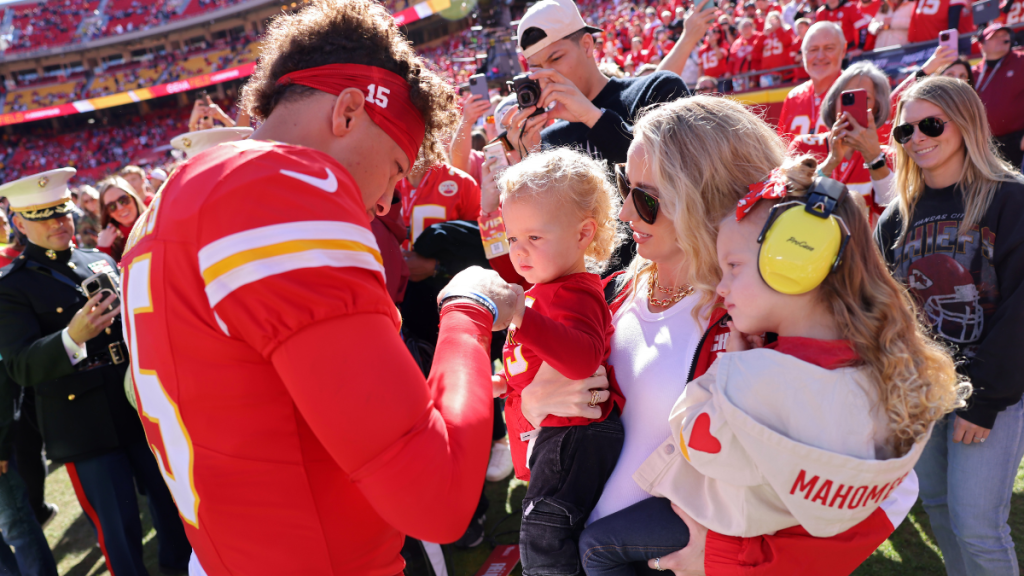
823 49
440 194
266 361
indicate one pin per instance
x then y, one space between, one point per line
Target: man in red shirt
745 55
823 49
266 363
999 80
933 16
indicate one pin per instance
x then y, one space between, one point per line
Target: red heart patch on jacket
701 438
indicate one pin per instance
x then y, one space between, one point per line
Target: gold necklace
675 294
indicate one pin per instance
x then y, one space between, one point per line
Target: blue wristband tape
489 303
475 297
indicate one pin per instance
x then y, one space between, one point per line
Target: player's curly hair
576 181
349 32
915 379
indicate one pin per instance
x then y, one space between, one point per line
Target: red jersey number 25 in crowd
168 438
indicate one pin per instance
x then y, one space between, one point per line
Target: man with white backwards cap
593 112
63 338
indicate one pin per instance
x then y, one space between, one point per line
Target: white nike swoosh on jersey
329 184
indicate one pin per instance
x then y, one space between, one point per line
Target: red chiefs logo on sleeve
448 188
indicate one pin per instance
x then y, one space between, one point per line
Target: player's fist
489 283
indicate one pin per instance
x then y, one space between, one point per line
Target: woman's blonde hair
915 376
983 168
576 181
703 152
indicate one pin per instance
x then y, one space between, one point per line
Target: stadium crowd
38 25
690 307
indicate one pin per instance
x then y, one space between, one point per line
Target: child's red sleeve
570 330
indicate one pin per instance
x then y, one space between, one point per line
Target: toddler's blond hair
576 181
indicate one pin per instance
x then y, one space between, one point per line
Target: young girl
559 211
815 429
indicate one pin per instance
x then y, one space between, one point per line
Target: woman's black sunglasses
646 205
119 203
931 127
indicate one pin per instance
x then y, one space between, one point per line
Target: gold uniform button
71 265
107 330
71 396
60 310
76 355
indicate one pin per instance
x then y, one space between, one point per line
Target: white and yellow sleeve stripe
245 257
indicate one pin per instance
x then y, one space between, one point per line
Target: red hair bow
773 187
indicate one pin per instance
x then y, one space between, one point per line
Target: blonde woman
954 237
849 391
690 162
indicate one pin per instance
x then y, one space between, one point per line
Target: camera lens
847 99
93 286
526 96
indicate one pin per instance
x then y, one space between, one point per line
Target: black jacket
82 409
971 290
622 100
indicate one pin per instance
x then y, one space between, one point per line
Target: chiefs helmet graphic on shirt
950 299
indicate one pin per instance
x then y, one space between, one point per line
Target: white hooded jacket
765 441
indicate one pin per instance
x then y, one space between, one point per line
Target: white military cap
40 196
192 143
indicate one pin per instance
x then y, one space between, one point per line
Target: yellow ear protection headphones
803 241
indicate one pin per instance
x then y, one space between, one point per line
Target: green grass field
910 551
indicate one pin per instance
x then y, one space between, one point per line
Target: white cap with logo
193 143
555 19
40 196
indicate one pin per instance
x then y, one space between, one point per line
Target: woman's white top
651 354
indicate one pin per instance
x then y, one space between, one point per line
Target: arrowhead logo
328 184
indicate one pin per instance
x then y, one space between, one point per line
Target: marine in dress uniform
69 347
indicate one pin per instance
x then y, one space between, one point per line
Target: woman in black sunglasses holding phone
120 207
955 238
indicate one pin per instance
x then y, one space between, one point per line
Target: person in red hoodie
745 55
120 207
666 338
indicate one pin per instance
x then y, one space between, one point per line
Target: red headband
387 99
772 187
